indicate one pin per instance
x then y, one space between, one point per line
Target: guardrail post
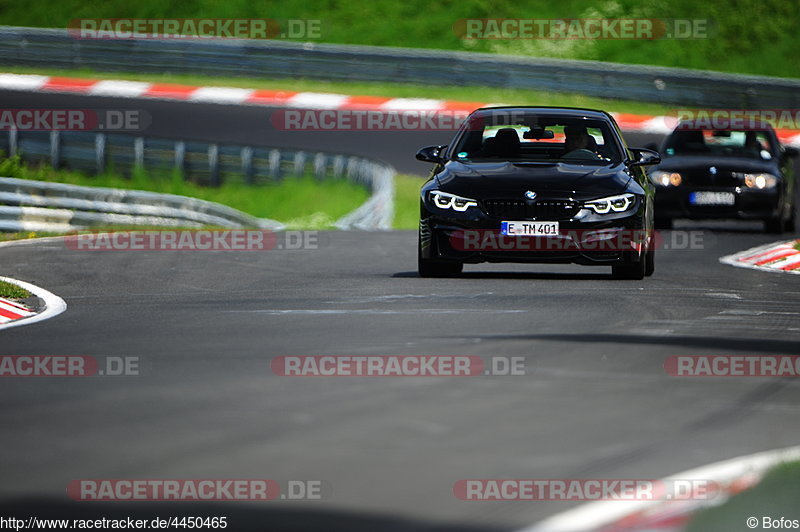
338 166
299 168
319 166
180 157
213 164
352 169
247 164
275 164
100 153
55 139
12 142
138 153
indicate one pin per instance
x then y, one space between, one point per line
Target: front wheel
630 270
650 262
790 223
774 226
436 268
663 223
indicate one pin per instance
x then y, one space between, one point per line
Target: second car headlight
666 179
619 203
759 181
443 200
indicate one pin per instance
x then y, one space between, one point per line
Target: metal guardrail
55 206
44 206
278 59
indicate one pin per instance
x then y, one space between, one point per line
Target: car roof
576 112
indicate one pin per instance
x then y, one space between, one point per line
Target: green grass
389 90
776 495
749 36
12 291
302 203
406 201
797 245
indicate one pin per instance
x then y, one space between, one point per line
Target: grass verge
406 201
775 496
12 291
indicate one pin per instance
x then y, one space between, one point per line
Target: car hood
702 164
511 180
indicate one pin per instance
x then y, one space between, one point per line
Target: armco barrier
55 48
27 205
49 204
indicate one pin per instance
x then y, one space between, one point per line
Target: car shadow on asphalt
715 343
520 275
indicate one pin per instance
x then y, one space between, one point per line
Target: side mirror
791 151
644 157
431 154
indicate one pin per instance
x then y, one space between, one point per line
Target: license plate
529 228
712 198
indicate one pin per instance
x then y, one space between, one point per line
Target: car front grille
547 210
705 178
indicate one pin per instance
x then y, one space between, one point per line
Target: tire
436 268
650 262
774 226
663 223
789 226
634 271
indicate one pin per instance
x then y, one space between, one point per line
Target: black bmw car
538 185
728 173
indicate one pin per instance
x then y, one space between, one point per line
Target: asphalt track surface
595 402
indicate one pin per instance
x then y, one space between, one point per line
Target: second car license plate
712 198
512 228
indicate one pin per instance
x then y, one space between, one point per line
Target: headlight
443 200
612 204
666 179
759 181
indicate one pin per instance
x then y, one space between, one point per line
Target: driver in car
577 143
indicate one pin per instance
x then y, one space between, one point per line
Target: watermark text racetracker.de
194 240
532 489
733 366
122 523
397 366
582 28
194 28
368 119
198 490
39 119
736 119
587 240
68 366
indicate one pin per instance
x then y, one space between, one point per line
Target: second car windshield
531 138
747 144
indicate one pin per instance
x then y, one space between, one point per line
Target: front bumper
478 239
749 204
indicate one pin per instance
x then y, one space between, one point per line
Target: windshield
725 143
527 137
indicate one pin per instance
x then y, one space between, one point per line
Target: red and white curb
10 311
775 257
13 314
731 476
301 100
